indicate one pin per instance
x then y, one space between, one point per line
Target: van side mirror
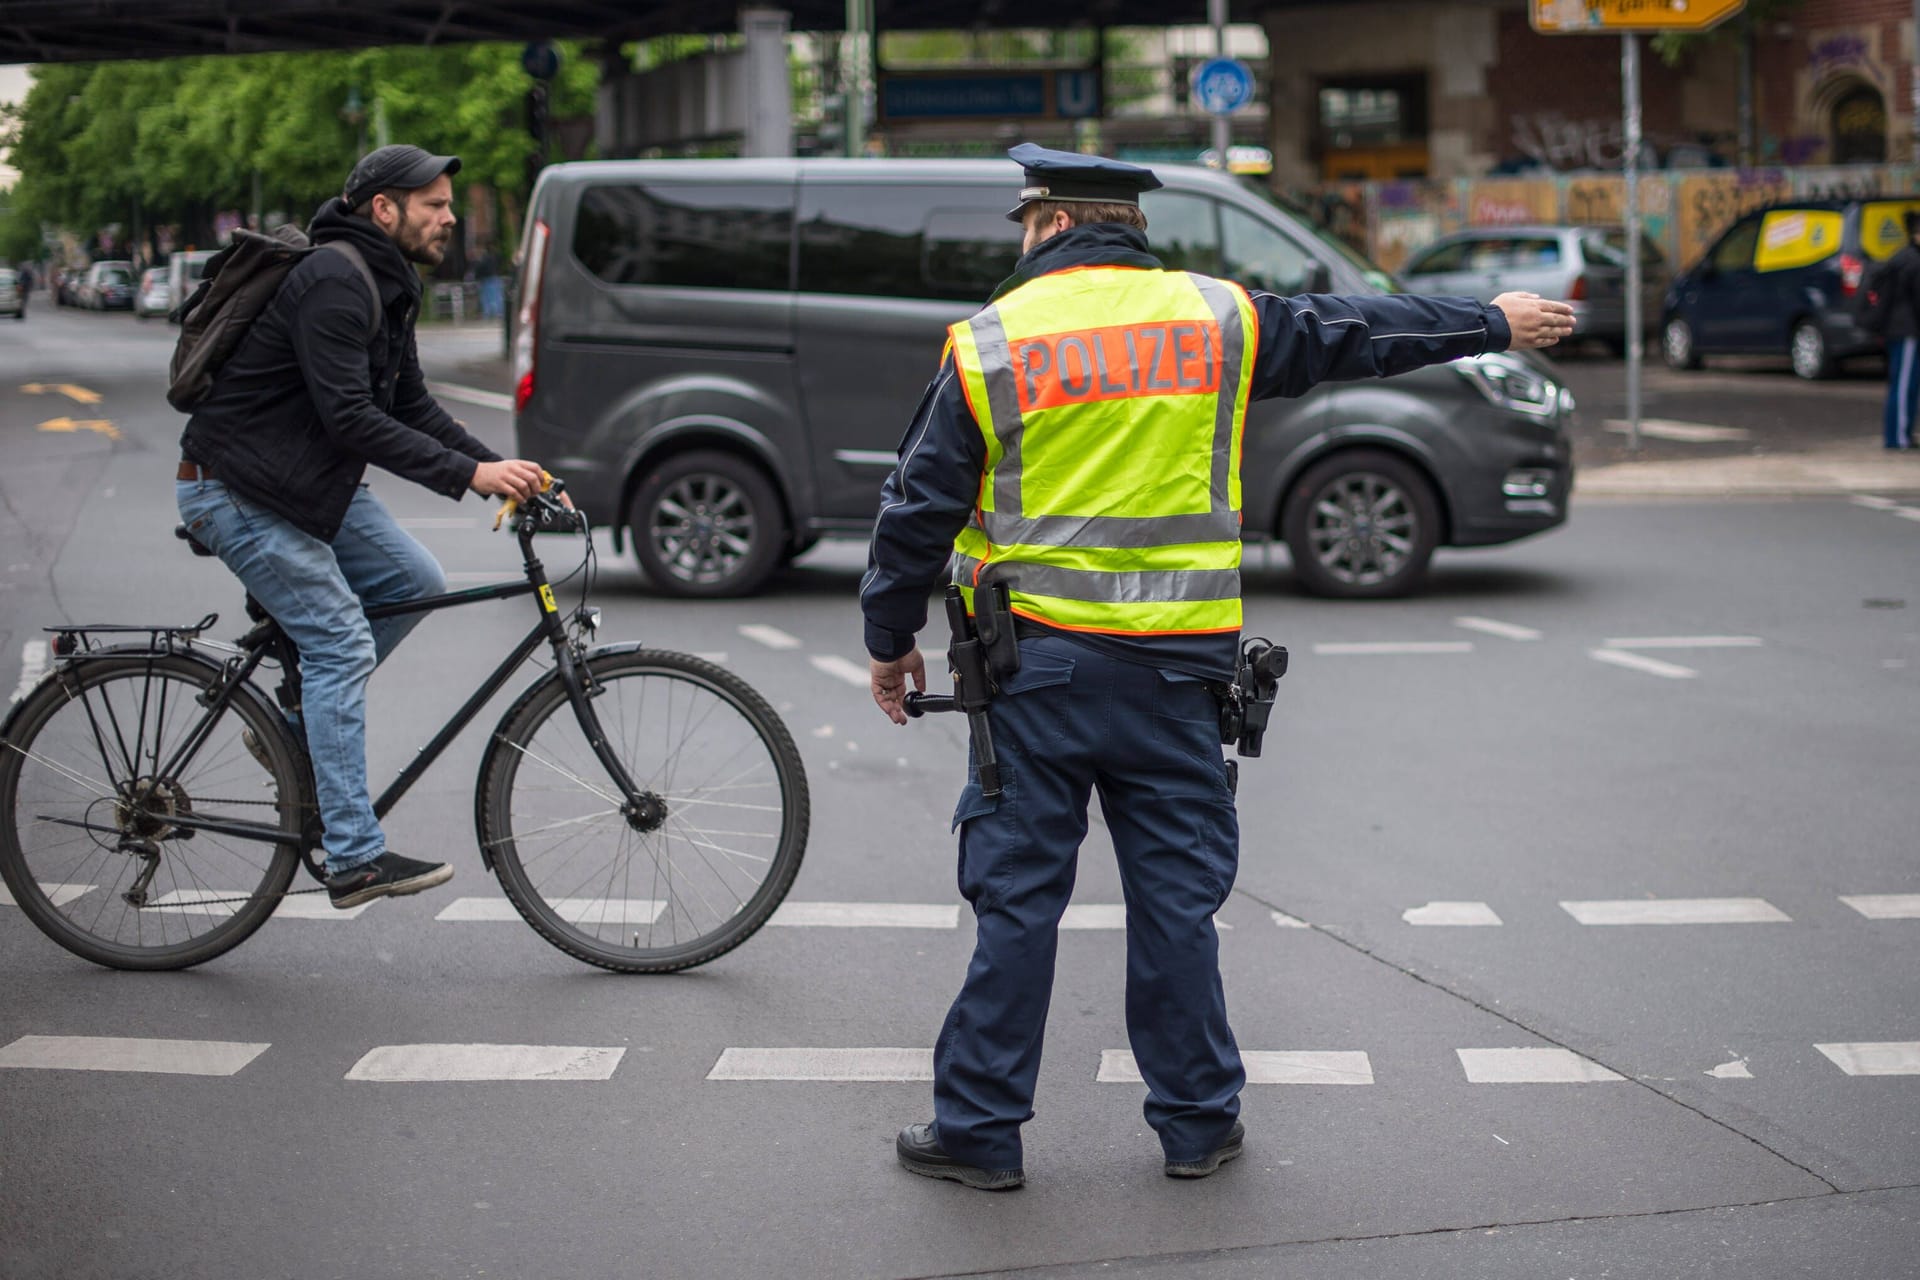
1319 277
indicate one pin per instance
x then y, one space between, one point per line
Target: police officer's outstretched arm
923 505
1315 338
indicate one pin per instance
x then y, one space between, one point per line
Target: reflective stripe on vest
1111 500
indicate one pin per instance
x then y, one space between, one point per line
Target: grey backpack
240 281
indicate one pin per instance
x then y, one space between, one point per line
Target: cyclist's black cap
401 167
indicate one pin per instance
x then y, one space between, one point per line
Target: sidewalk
1821 470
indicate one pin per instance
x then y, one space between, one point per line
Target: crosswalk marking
1466 914
1875 1058
1677 911
572 910
1531 1066
772 637
122 1053
1639 662
1263 1066
859 1066
867 915
59 894
1506 630
401 1063
1885 906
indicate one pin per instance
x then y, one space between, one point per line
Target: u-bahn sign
1613 17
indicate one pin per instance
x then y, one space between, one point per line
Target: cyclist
271 479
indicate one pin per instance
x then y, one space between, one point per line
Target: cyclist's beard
423 245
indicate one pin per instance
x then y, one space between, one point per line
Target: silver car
12 301
155 297
1587 266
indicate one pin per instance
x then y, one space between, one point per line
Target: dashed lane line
472 395
866 915
120 1053
841 669
1462 914
33 665
1392 647
466 1063
59 894
593 911
1885 906
224 902
1686 642
1505 630
856 1066
772 637
1641 663
1532 1066
1263 1066
1676 911
1875 1057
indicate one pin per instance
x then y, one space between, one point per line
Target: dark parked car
1783 281
721 357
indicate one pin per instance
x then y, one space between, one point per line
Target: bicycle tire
51 764
742 747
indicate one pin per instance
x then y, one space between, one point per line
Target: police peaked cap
1072 178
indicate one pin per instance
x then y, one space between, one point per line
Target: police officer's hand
890 683
1535 321
514 478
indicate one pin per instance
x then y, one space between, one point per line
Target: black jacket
1896 285
1303 341
311 399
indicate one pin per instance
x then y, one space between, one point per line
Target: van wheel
705 525
1676 344
1811 360
1361 525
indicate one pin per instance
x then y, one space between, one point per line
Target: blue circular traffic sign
540 60
1222 86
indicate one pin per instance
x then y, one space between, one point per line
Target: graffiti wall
1683 211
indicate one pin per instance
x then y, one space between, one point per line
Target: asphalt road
1657 705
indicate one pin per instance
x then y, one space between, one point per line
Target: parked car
184 269
12 301
1783 281
108 286
721 355
65 286
155 297
1586 266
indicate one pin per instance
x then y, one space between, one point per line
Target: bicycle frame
267 639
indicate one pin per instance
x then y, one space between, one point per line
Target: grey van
721 356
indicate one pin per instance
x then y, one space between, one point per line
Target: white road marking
1875 1058
471 395
1885 906
395 1063
718 657
592 911
841 669
1906 513
1634 662
58 894
1451 913
867 915
1531 1066
1686 642
33 665
1677 911
1871 503
1397 646
1506 630
1264 1066
120 1053
437 522
1735 1070
772 637
1104 915
1685 432
216 902
1286 921
851 1065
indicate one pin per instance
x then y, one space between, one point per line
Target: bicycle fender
527 695
60 669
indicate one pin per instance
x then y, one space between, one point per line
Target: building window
1860 127
1380 111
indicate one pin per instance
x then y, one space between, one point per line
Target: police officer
1081 445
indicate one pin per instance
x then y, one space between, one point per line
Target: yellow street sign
1613 17
79 395
100 425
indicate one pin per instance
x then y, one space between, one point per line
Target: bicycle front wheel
90 792
695 876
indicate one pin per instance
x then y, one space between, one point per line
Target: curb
1828 473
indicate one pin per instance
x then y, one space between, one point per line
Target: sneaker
387 876
920 1153
1206 1164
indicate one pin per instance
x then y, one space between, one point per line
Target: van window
1883 227
1258 256
952 244
1182 231
1735 250
1609 249
706 237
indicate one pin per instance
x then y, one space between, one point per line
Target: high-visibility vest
1112 401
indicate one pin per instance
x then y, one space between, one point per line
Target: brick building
1463 88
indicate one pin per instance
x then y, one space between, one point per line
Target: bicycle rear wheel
664 892
93 747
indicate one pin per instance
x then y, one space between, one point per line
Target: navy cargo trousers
1071 722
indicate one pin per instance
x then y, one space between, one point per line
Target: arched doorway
1858 126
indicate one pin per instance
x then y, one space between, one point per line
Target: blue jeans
1073 721
1903 392
318 591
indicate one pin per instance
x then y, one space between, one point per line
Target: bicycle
156 802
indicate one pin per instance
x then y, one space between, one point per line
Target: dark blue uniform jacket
1304 341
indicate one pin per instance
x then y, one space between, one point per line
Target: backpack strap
352 254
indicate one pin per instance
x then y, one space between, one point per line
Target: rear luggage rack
76 638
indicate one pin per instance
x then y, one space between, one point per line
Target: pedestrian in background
1894 310
1080 445
486 272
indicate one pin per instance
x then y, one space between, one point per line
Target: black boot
920 1153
